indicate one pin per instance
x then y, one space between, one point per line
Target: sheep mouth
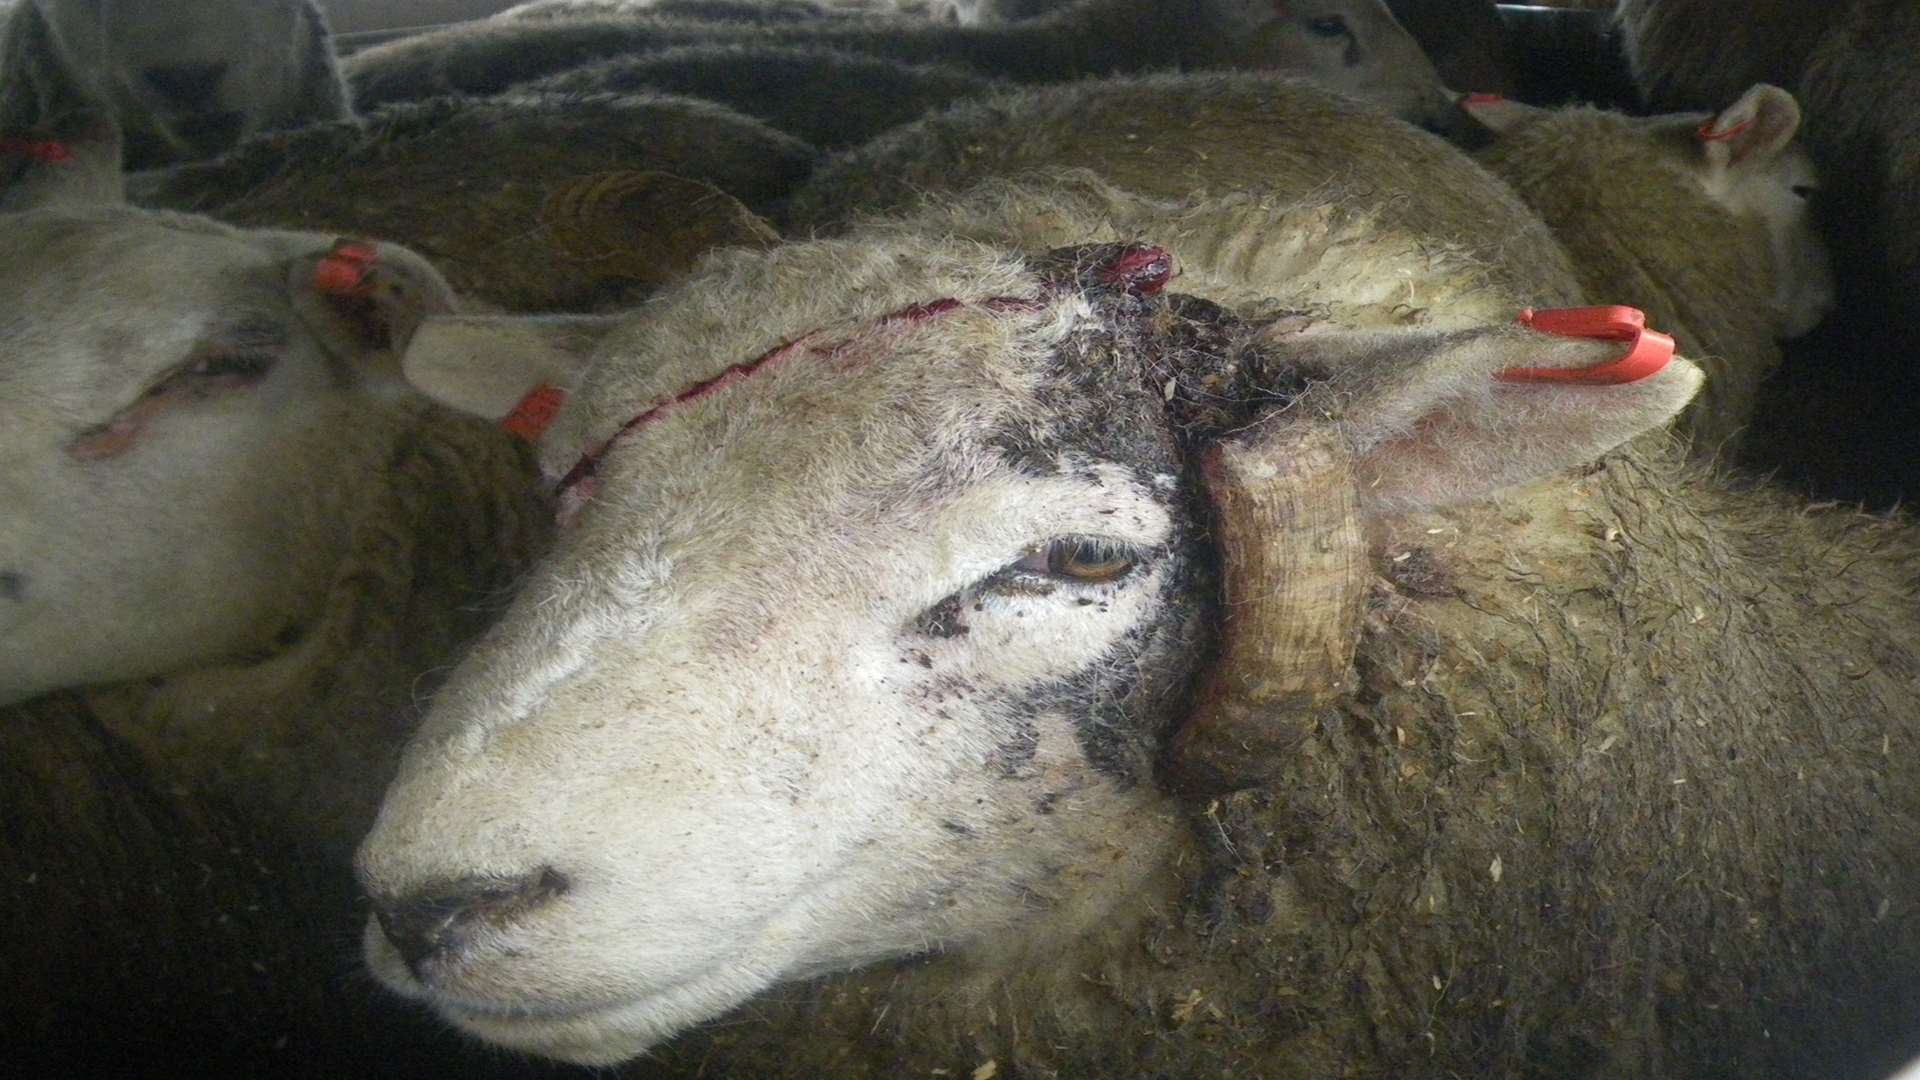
605 1033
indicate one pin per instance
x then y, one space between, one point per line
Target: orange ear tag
343 272
534 415
1649 352
53 153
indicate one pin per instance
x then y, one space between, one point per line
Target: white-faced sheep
924 602
1849 397
533 202
1699 219
189 78
222 518
59 141
1848 63
1353 46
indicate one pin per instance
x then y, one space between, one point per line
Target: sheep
532 202
188 80
224 518
1846 63
1353 46
1701 220
1467 39
964 661
1842 408
59 141
830 99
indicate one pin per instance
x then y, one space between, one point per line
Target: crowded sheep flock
1013 539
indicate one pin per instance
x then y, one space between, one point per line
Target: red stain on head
344 270
581 481
1139 270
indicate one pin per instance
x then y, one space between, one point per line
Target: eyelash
1082 560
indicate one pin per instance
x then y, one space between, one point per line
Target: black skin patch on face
13 586
943 620
1103 400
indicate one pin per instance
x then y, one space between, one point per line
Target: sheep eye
214 369
1082 559
1328 26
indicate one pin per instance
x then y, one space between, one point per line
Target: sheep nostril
439 920
13 586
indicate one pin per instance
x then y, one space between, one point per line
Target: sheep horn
650 227
1286 519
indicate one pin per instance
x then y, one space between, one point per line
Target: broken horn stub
1293 560
1126 269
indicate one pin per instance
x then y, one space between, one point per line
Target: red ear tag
53 153
534 415
344 270
1648 354
1707 134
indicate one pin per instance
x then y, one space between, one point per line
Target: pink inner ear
1708 134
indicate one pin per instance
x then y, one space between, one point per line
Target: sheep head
183 412
1354 47
192 78
1664 187
890 569
59 142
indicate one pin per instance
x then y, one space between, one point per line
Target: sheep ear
365 301
324 94
489 365
1498 114
1751 131
1404 421
1444 417
59 142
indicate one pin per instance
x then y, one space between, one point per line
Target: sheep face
1355 47
1750 162
192 79
1755 177
878 620
871 617
166 397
